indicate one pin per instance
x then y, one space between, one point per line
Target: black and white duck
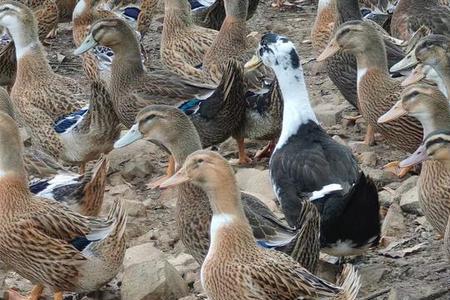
308 165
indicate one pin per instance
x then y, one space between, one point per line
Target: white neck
360 74
297 109
427 122
79 9
21 39
323 4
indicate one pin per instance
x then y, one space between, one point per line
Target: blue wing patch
38 187
80 243
64 123
132 12
190 107
195 4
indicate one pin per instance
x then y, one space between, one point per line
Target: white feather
325 190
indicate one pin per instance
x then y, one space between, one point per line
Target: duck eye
414 94
200 160
150 117
428 44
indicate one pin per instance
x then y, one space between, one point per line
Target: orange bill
178 178
394 113
329 51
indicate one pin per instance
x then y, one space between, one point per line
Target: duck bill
177 179
417 157
329 51
130 137
415 76
88 43
394 113
407 62
254 63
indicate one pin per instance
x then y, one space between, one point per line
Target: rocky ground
410 263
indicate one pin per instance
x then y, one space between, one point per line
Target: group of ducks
211 89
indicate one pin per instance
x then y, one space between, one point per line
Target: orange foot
394 167
266 151
36 293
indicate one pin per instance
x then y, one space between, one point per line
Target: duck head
353 37
18 19
106 32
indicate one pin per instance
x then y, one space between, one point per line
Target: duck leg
243 157
394 167
267 150
82 168
170 171
35 294
369 139
58 296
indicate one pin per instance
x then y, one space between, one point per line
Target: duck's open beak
415 76
407 62
329 51
130 137
417 157
178 178
394 113
88 43
254 63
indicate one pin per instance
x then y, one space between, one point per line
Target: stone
259 184
368 158
184 263
371 275
138 167
149 276
405 186
410 202
135 208
394 222
385 198
400 294
329 114
380 177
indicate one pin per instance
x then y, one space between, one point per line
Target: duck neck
236 8
127 64
30 54
443 70
435 118
373 59
182 147
347 10
177 16
297 109
11 161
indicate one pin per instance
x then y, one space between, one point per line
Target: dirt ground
422 273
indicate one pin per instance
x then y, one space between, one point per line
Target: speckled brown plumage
46 13
145 17
323 26
409 15
171 129
37 236
235 267
131 87
184 44
214 15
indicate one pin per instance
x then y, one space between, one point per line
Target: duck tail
118 216
306 247
94 189
349 281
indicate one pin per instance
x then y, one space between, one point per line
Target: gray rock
405 186
410 202
149 276
394 222
385 198
135 208
368 158
329 114
380 177
372 275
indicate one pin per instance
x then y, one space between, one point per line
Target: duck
76 253
85 13
161 125
46 12
425 73
131 86
212 15
234 253
49 179
57 117
433 51
183 43
409 15
431 108
377 91
308 165
342 66
323 27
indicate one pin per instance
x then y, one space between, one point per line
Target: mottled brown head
433 50
354 37
16 17
437 144
423 101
